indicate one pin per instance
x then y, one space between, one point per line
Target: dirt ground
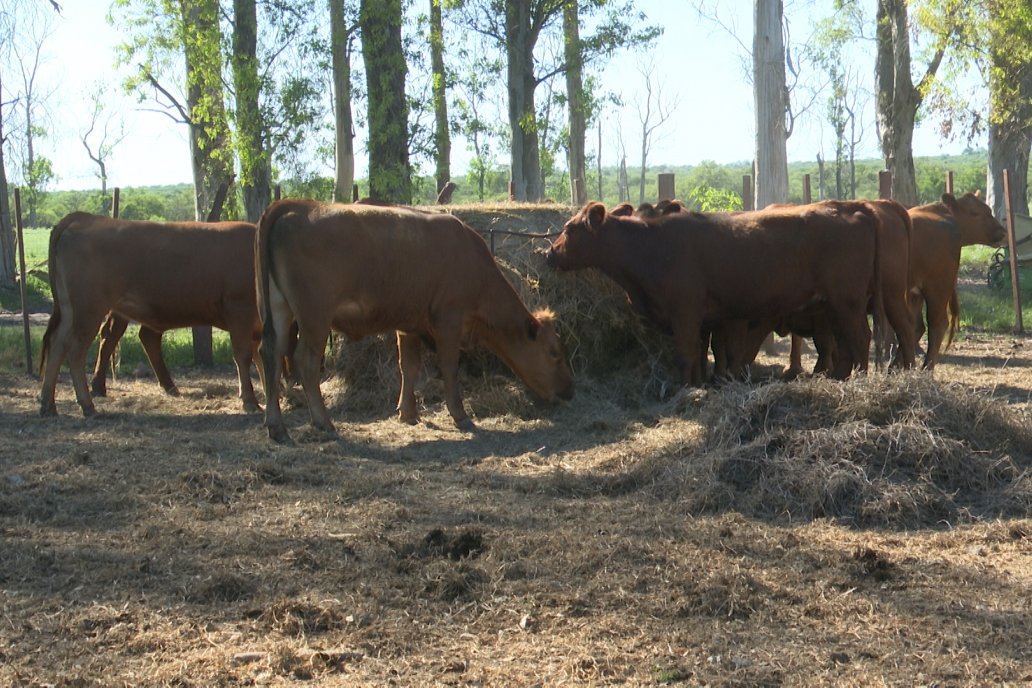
167 542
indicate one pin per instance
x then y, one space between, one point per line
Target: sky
697 66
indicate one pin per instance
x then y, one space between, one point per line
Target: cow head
537 356
577 246
975 220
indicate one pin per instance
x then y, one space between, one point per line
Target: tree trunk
209 131
526 158
384 57
897 97
255 165
442 137
575 102
7 266
344 135
1008 150
1010 117
771 97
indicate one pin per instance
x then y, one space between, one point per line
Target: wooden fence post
666 187
1013 251
747 192
115 201
807 192
949 182
23 286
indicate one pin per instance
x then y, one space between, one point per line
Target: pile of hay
904 450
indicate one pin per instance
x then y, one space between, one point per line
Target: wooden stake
1019 327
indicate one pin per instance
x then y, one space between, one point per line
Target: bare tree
104 141
653 112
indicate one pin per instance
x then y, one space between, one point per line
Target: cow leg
938 323
110 334
687 342
849 323
410 358
276 332
795 358
897 311
311 343
151 341
447 341
56 351
241 339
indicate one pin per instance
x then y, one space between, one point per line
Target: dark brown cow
163 275
368 269
940 230
685 269
894 254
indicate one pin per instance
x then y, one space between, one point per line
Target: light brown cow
683 270
940 230
368 269
163 275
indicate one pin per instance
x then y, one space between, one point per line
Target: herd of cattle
715 281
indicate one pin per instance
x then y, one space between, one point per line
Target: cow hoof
279 435
252 407
409 420
172 391
48 410
88 412
99 391
466 425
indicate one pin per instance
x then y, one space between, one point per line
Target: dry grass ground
877 532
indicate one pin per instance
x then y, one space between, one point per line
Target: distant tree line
709 186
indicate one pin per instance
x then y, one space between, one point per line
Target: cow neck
501 311
946 219
631 249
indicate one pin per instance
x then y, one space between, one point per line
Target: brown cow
895 247
940 230
163 275
685 269
367 269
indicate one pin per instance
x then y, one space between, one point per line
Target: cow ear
977 193
533 325
950 201
622 210
596 216
674 206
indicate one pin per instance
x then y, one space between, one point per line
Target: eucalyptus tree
343 26
382 53
442 133
771 103
163 36
255 162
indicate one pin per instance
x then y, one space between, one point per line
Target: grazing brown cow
163 275
367 269
685 269
940 230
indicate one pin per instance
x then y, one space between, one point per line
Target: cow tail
55 316
878 312
263 263
954 318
